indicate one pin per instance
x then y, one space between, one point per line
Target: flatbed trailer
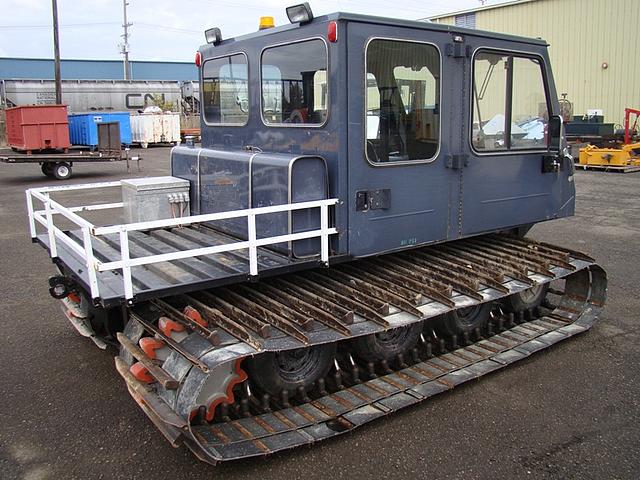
59 165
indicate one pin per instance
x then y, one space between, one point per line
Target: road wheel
527 299
289 370
463 320
47 169
386 345
62 171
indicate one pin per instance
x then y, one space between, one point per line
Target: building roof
478 9
85 69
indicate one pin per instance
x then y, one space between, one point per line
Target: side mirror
554 134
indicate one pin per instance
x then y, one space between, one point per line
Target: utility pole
125 43
56 52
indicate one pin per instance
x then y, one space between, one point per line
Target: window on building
402 96
510 105
294 83
225 90
466 20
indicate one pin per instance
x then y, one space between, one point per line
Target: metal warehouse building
42 68
592 48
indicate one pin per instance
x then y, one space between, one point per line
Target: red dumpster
38 127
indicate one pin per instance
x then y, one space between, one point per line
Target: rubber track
349 407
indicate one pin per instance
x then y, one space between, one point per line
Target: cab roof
375 20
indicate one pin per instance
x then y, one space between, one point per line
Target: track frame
510 339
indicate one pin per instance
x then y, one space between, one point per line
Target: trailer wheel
463 320
62 171
527 299
289 370
47 169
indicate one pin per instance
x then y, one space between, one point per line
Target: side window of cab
294 84
402 89
510 102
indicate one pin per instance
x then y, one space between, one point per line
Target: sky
166 29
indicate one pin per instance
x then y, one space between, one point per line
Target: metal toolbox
154 198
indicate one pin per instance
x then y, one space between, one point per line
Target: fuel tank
225 180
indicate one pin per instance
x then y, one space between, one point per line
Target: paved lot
570 412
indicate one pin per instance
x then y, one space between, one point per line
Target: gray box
148 199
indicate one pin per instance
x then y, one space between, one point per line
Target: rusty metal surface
369 296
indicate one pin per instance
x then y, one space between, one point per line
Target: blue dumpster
83 129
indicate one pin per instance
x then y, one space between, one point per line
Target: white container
148 128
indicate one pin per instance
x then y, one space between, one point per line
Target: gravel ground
569 412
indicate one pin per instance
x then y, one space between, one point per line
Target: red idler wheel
218 388
172 329
194 315
154 348
141 373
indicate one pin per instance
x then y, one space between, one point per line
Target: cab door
503 183
399 187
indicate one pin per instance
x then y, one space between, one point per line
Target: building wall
42 69
583 34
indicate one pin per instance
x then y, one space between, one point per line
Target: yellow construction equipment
625 156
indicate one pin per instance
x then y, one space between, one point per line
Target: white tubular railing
125 263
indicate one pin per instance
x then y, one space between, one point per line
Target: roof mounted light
213 36
266 22
300 13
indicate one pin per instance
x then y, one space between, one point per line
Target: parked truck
348 241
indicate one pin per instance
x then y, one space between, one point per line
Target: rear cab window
510 103
294 86
225 90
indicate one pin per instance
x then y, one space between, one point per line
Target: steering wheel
296 116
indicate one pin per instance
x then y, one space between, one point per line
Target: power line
68 25
167 28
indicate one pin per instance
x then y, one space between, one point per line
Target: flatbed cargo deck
128 263
169 278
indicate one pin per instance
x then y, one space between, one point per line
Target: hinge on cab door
457 161
458 50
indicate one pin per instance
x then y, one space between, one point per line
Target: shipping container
148 128
38 127
83 127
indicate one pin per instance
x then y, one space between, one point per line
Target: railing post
253 249
53 250
91 262
32 221
126 268
324 235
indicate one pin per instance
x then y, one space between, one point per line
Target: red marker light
332 32
198 59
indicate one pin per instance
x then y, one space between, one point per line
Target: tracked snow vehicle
407 157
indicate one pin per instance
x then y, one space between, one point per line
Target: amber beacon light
266 22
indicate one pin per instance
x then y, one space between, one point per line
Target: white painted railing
84 250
